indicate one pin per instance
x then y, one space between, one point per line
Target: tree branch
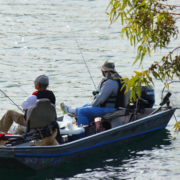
175 14
168 5
173 51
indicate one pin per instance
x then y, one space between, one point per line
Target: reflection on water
118 161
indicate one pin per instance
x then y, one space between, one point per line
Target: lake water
36 38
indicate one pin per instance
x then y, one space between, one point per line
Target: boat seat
41 124
121 112
111 120
42 114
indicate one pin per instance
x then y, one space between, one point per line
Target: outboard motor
148 96
147 100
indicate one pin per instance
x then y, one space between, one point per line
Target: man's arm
105 91
29 101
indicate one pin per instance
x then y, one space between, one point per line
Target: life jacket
46 94
115 101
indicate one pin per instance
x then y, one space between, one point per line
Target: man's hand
95 92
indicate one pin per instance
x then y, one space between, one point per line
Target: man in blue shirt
106 98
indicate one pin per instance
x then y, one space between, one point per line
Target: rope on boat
80 50
11 100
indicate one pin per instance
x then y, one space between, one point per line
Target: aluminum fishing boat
123 125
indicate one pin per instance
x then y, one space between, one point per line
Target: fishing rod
80 51
11 100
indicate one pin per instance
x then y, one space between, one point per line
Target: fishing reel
95 92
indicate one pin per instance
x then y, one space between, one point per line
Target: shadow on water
115 156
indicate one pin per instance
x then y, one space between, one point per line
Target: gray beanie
108 66
43 79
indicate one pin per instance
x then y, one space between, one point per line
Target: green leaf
131 40
149 52
122 18
127 34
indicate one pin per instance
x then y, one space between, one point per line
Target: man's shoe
64 108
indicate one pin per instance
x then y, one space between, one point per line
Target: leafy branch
148 24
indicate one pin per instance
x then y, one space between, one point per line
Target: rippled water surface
36 38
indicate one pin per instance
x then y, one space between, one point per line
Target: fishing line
22 90
18 87
175 117
80 51
11 100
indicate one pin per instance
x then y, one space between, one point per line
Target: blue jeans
87 114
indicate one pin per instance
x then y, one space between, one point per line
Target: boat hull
37 158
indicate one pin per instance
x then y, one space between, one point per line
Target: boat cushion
42 114
117 113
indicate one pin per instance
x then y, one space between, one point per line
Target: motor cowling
148 94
